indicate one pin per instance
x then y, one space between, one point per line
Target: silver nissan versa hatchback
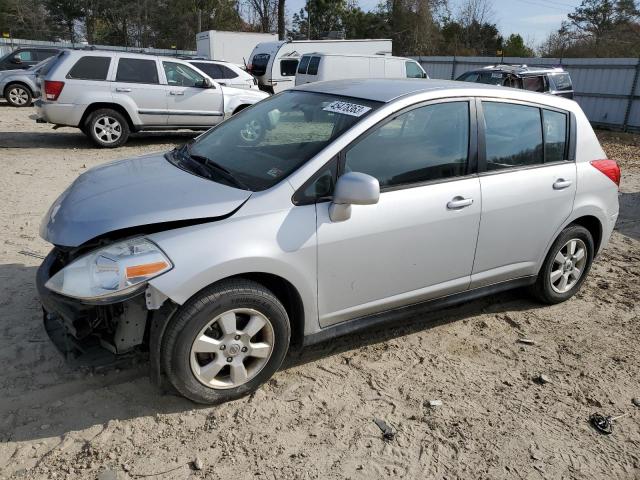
329 208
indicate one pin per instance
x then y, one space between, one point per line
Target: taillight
610 168
52 89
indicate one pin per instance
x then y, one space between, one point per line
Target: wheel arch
17 82
114 106
239 108
594 226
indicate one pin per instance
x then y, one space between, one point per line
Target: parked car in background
26 57
225 73
108 95
393 197
318 67
555 81
19 87
274 64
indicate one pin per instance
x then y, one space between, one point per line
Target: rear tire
225 342
18 95
566 266
107 128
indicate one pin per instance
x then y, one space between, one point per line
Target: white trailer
234 47
275 64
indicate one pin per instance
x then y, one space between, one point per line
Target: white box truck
275 64
234 47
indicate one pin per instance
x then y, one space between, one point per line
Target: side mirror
207 83
353 188
16 59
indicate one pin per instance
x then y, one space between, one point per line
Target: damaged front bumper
119 326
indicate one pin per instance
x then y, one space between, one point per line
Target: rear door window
313 66
44 54
137 70
90 68
513 135
304 63
227 72
211 69
288 67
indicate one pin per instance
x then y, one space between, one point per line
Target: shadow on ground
44 395
70 139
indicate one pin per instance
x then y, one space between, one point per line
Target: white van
317 67
274 64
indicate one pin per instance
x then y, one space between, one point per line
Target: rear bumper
59 113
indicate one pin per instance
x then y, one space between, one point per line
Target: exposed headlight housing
117 270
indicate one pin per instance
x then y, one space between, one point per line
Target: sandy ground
315 418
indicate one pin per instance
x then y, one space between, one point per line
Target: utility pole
199 20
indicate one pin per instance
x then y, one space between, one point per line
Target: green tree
515 47
67 13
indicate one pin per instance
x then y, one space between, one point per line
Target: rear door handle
123 89
174 92
457 203
561 184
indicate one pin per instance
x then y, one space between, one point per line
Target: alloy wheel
568 265
107 129
18 96
232 348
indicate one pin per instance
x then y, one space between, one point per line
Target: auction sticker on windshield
347 108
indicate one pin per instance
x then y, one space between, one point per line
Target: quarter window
427 143
181 75
288 67
90 68
513 135
555 135
137 70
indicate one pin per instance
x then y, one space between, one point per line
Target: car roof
388 90
519 69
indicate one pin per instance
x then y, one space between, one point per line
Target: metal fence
607 89
9 44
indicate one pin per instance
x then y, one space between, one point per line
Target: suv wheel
107 128
17 95
566 266
225 342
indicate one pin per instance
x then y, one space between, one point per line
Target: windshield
265 143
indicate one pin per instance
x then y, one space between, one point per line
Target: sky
533 19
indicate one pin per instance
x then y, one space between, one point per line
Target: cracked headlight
112 271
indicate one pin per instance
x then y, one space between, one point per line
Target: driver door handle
120 89
561 184
176 92
459 202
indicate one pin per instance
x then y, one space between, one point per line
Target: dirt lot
315 418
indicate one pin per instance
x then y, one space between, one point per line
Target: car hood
138 192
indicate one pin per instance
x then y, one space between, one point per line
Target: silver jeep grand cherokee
108 95
361 201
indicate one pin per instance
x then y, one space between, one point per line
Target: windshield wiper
201 160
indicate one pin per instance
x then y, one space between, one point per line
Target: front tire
566 266
107 128
18 95
225 342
